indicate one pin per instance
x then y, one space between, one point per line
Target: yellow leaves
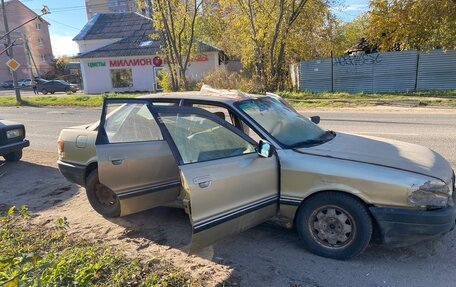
14 282
412 24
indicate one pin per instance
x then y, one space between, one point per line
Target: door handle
117 161
203 181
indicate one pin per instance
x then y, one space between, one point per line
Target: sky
69 16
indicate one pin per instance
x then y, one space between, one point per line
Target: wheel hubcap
332 227
104 195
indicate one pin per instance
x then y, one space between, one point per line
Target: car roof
205 94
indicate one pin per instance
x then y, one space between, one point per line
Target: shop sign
96 64
130 62
157 61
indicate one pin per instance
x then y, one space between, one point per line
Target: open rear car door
227 186
134 161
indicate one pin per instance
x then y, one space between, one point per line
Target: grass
297 99
413 99
31 255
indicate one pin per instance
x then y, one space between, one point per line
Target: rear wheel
13 156
334 225
101 197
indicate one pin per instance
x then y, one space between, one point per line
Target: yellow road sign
13 64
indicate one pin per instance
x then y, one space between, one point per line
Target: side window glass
200 139
218 111
131 123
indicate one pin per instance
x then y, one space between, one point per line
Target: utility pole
28 56
10 54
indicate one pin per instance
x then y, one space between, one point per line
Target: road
263 256
432 128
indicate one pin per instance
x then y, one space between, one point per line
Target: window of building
38 26
121 78
43 58
40 41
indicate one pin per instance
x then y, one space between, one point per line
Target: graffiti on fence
358 60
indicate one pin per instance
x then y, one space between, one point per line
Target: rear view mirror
265 149
315 119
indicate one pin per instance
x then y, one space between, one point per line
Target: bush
223 79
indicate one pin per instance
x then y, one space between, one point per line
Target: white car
25 83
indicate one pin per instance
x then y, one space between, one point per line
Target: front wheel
44 91
334 225
13 156
101 197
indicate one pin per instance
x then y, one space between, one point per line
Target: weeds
33 256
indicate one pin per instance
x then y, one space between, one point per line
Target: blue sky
69 16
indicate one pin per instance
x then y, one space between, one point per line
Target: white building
117 54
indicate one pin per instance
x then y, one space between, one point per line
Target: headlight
15 133
431 194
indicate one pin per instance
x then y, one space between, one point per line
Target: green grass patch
413 99
31 255
298 99
64 100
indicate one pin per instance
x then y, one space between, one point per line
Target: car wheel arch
90 167
351 194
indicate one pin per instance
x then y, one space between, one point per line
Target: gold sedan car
236 160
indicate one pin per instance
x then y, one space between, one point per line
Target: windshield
282 122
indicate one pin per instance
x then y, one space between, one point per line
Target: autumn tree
175 22
412 24
265 34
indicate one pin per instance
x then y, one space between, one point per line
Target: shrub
223 79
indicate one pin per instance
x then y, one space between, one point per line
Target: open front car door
228 186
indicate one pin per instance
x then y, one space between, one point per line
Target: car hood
384 152
4 123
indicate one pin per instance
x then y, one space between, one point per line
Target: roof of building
116 26
134 32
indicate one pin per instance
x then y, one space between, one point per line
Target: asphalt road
432 128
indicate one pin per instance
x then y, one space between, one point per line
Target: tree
412 24
265 34
175 22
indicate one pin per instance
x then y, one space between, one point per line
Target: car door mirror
265 149
315 119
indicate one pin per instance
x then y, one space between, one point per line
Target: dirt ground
263 256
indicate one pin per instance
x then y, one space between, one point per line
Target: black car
12 140
8 84
53 86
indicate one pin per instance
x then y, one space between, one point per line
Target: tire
44 91
101 198
334 225
13 156
52 93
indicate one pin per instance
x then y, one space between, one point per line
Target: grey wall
381 72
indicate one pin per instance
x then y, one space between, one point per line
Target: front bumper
73 172
401 227
13 147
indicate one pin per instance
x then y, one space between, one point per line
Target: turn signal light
60 146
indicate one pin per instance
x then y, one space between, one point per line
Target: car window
201 139
224 114
131 123
220 112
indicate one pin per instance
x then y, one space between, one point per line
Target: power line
69 26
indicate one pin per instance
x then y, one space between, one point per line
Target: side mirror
265 149
315 119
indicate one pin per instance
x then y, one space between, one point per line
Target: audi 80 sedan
236 160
